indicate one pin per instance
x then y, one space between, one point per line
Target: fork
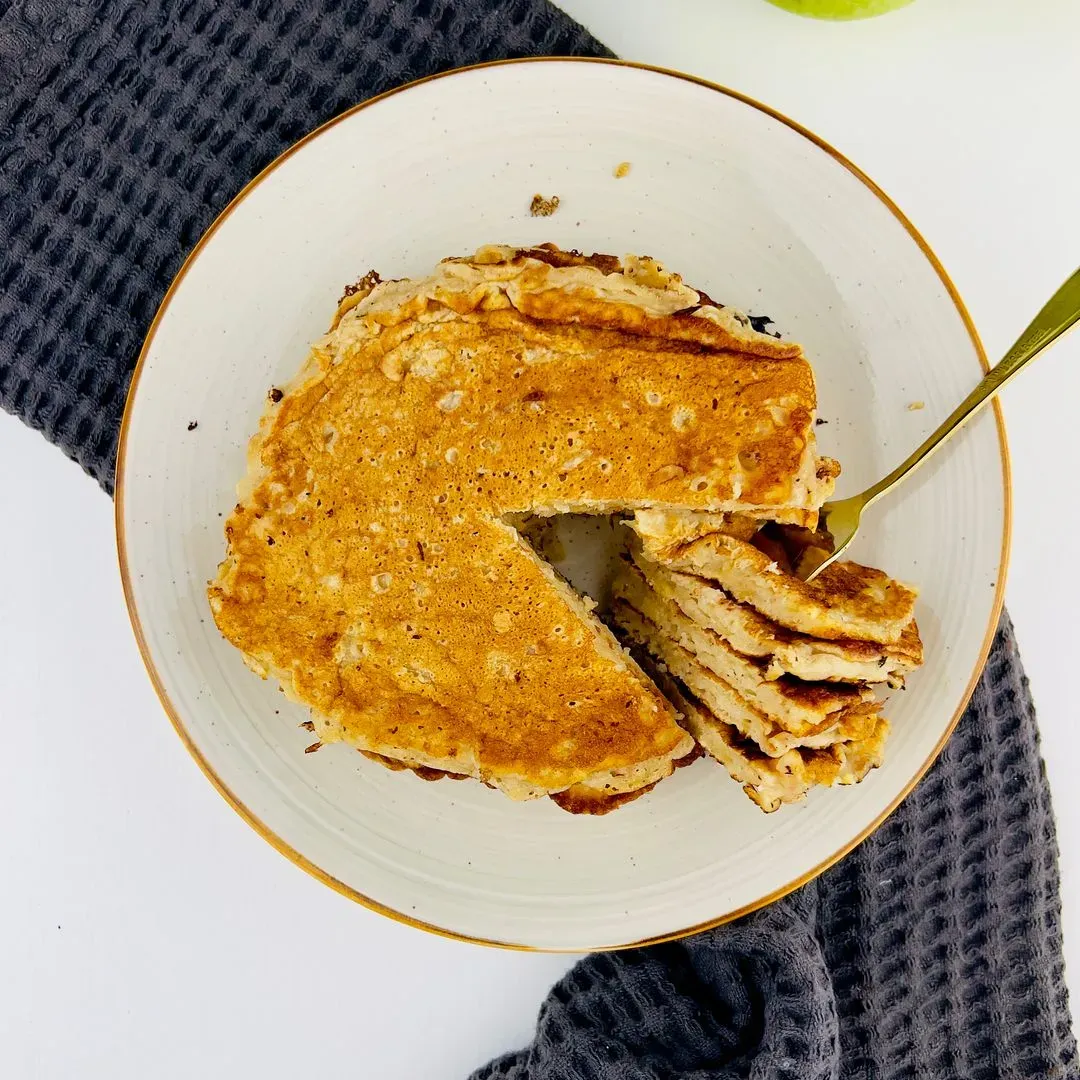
841 519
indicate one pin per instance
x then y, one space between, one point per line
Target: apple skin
840 9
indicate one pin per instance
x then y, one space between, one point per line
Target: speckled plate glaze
748 207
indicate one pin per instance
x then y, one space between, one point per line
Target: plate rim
303 861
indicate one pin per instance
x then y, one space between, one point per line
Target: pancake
845 602
724 702
795 705
606 792
772 781
600 794
370 567
784 651
671 528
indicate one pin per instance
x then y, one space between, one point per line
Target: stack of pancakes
775 677
375 568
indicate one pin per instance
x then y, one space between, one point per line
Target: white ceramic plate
747 207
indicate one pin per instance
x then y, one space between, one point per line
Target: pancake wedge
724 702
784 651
796 705
772 781
845 602
370 567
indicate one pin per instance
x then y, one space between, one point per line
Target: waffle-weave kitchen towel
126 126
934 951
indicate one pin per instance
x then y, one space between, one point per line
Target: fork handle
1059 313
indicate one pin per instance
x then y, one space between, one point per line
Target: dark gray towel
934 951
126 126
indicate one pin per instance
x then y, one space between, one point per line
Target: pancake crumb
364 285
915 406
621 170
541 207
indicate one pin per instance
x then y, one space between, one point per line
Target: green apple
840 9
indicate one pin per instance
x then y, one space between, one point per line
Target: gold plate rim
302 861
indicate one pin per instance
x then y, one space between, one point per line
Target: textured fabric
933 951
126 126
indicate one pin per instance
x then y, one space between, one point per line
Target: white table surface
145 931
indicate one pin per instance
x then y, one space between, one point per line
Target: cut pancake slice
797 706
772 781
725 702
846 601
785 651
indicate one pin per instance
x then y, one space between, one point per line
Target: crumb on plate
541 207
622 169
915 406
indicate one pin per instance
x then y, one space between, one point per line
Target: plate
747 206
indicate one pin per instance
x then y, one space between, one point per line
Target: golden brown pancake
796 705
845 602
726 703
772 781
600 795
370 567
784 651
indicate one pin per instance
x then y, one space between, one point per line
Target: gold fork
841 519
